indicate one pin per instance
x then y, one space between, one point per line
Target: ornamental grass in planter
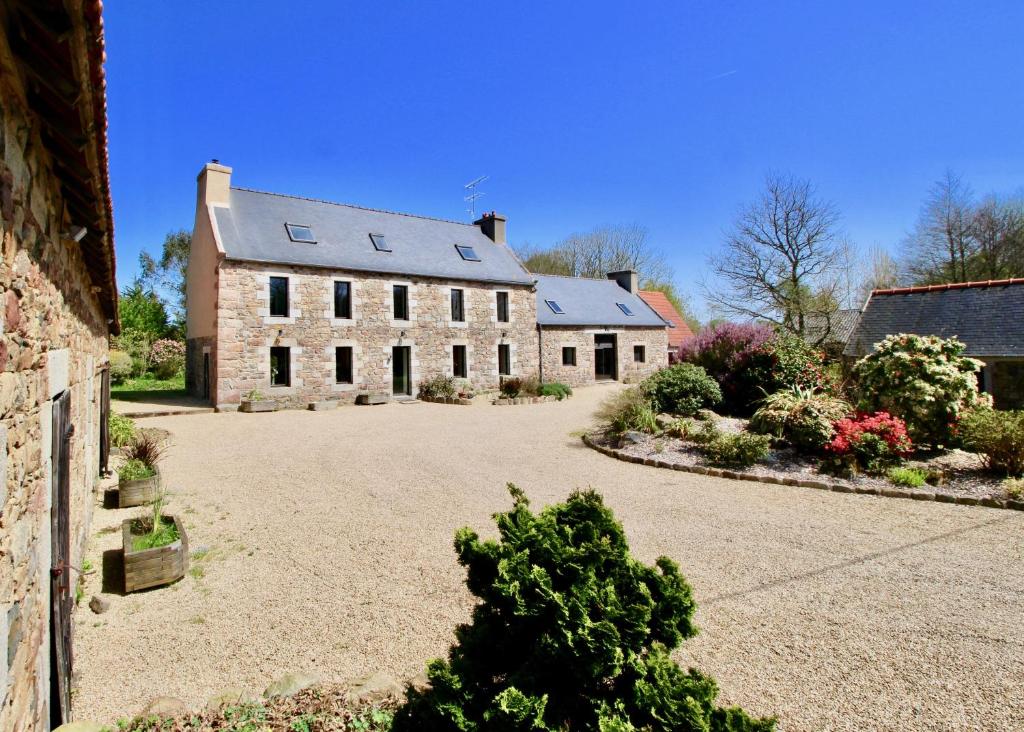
138 478
256 401
155 548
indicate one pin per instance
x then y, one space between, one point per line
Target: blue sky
582 114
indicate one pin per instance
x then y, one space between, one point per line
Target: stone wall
54 339
555 338
246 332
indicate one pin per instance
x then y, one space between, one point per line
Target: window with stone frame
504 359
639 354
280 366
342 299
343 365
502 301
568 355
279 297
400 297
460 368
458 305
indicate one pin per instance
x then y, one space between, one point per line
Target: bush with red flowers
868 442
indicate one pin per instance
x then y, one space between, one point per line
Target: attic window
555 307
467 253
380 243
300 233
624 308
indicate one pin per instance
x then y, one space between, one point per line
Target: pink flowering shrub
167 357
868 442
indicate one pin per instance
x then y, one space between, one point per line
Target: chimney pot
493 226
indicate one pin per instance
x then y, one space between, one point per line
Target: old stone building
597 330
305 300
59 306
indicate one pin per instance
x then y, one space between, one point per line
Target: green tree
141 310
571 633
166 275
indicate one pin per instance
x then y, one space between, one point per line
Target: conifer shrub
556 389
570 633
681 389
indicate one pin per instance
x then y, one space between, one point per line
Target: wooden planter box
154 567
263 405
138 492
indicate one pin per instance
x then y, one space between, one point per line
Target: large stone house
987 316
59 305
304 300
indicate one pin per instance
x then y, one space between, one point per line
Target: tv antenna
474 194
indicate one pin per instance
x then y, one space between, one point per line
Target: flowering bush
167 357
869 442
924 380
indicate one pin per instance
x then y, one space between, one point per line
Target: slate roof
678 330
840 325
591 302
252 228
987 316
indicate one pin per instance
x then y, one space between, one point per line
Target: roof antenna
474 194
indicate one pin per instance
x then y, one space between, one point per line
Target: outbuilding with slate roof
988 317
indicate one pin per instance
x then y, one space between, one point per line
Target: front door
61 603
604 356
206 376
401 382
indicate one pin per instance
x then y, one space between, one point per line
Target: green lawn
148 387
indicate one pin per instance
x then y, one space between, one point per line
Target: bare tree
997 228
784 260
941 245
596 252
878 272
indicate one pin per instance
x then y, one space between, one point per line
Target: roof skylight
624 308
300 233
467 253
380 243
555 307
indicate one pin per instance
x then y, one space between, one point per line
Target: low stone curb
822 485
524 400
448 400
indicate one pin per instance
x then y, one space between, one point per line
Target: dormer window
467 253
555 307
300 233
380 243
625 308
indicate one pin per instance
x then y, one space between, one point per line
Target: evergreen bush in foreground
571 633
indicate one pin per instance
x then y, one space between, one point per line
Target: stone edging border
447 400
917 495
501 402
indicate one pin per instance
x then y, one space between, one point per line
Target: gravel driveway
330 537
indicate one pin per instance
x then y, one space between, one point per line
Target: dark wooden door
401 382
604 356
104 421
61 602
206 376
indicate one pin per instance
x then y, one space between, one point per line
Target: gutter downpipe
540 352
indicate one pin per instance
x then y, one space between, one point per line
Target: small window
342 299
568 356
280 366
624 308
279 297
401 302
467 253
502 307
458 306
380 243
343 364
504 359
555 307
300 233
459 369
639 354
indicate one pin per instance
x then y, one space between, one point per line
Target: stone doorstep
916 495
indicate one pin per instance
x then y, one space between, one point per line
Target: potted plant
255 401
155 548
138 478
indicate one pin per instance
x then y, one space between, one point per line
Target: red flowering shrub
869 442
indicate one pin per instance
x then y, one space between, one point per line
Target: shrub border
503 402
822 485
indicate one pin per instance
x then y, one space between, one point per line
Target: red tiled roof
950 286
663 307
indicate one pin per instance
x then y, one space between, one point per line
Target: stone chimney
628 280
213 184
493 226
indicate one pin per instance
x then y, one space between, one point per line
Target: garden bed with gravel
964 477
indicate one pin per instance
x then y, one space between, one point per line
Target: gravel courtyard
330 550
